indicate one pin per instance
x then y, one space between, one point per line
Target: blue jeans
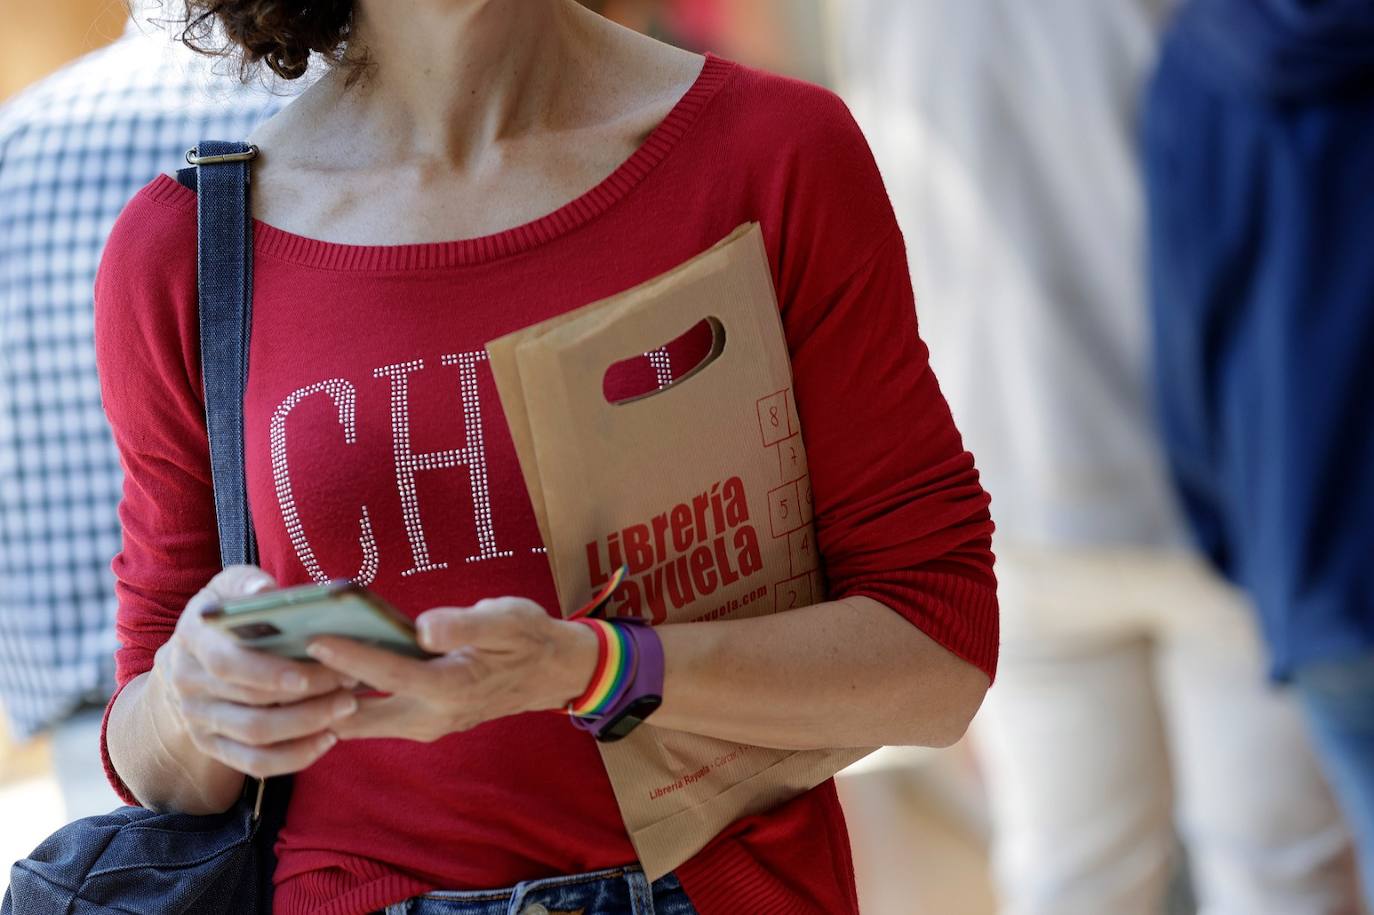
1339 701
619 891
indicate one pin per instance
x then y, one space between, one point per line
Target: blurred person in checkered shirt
73 148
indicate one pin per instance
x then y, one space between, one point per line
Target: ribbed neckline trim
314 252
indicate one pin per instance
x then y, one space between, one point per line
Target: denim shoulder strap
225 271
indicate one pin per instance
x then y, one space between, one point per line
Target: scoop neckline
314 252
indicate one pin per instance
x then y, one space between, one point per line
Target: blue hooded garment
1259 152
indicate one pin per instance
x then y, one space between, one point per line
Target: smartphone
283 622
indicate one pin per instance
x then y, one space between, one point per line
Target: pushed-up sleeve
147 354
900 514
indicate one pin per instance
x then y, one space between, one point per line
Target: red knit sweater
362 356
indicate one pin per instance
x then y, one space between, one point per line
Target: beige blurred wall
39 36
784 36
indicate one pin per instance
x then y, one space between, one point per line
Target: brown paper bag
701 488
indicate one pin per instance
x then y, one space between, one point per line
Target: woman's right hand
254 712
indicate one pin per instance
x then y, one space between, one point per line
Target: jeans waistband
616 891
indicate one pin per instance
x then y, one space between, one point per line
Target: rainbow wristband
615 662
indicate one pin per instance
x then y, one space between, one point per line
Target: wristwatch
644 692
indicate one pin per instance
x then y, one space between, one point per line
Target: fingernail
328 742
424 634
349 682
318 652
345 705
293 681
258 584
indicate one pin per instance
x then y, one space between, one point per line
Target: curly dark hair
280 34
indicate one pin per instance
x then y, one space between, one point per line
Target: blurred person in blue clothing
73 148
1259 135
1130 703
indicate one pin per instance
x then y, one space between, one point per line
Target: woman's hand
500 657
255 713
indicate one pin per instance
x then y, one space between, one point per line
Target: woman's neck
445 80
470 116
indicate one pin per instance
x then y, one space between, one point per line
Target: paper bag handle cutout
713 352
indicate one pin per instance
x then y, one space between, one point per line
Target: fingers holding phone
263 742
257 713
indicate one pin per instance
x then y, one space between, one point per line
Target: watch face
629 719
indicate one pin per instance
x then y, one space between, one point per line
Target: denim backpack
135 861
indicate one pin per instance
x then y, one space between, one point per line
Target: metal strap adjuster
247 155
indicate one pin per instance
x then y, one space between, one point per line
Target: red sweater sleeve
147 353
900 515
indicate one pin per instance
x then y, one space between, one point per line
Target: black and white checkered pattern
73 149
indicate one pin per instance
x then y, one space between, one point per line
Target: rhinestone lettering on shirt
408 463
472 456
345 400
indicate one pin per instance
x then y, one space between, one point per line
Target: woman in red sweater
572 159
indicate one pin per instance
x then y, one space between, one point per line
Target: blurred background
1138 231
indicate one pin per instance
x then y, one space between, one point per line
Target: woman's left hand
500 657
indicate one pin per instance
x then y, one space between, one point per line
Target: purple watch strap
645 680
